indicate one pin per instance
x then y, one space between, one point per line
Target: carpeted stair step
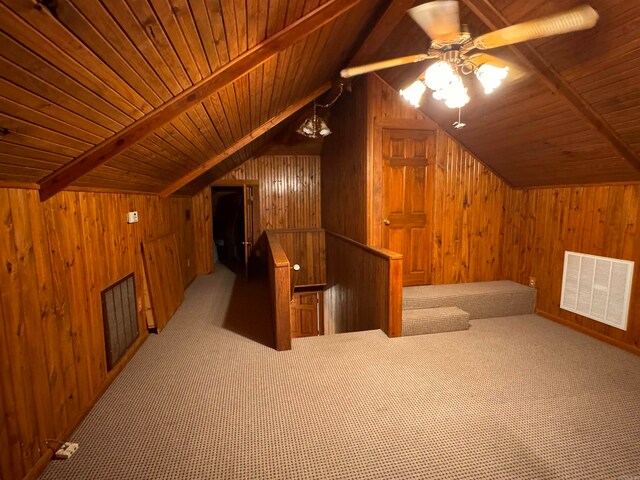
433 320
480 299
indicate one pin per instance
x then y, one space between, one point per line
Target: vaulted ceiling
573 118
166 95
158 88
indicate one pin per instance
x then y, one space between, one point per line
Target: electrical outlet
66 450
532 282
132 217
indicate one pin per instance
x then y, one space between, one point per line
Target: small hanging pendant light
315 126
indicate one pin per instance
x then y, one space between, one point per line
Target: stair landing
446 308
480 299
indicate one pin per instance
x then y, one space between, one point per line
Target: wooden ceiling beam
529 56
389 20
243 142
227 74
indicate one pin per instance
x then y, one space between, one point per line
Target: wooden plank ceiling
75 75
527 132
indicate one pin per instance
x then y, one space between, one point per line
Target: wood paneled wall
163 277
542 223
203 229
280 289
469 200
306 247
364 288
385 108
56 257
289 189
344 166
468 217
482 228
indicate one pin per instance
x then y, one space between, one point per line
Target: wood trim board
230 72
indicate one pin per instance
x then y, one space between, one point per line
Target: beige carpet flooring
480 299
511 398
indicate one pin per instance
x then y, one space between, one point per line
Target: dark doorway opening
228 226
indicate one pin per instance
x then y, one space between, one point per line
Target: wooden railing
364 287
306 247
364 283
285 248
280 289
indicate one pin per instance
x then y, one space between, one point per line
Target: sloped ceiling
78 74
529 132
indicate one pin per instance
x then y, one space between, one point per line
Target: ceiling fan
459 53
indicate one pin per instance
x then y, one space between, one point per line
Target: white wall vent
597 287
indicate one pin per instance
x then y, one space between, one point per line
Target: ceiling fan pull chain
459 123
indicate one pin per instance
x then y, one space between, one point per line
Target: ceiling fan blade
579 18
394 62
515 71
440 19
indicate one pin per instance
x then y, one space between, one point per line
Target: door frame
376 173
257 230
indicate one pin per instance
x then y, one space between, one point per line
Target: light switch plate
132 217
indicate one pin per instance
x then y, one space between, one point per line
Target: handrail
357 305
290 230
279 282
380 252
279 256
305 246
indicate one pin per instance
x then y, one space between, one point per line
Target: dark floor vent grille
120 318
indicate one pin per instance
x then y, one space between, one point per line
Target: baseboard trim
591 333
44 459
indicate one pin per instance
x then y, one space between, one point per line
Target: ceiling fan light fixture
413 93
455 95
439 75
491 76
457 100
458 53
450 88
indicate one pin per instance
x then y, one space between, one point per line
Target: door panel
406 203
417 191
417 259
395 240
304 315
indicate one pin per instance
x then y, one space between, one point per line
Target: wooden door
407 200
304 314
250 213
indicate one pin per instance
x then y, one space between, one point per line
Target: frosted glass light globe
414 92
455 95
438 75
491 77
